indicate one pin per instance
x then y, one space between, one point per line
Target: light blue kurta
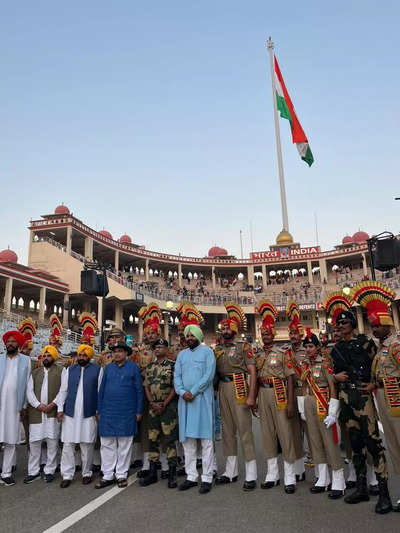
194 373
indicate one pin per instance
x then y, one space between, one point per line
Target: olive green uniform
387 365
144 358
159 379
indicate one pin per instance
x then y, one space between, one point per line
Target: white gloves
333 411
300 405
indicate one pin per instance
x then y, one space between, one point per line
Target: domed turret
105 233
61 210
125 239
347 239
284 238
360 236
216 251
8 256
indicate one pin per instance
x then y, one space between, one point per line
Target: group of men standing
304 393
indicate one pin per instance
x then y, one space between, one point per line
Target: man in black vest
77 412
43 398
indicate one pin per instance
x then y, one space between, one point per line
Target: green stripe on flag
308 158
283 108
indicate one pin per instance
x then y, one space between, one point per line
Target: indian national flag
286 110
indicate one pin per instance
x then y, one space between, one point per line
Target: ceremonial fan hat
236 318
293 314
56 328
89 327
188 315
376 298
269 314
152 318
336 303
28 330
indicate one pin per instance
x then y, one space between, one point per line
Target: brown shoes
103 483
86 480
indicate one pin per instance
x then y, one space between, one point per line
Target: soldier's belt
278 385
267 383
230 377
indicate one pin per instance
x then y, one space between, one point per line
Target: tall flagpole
285 221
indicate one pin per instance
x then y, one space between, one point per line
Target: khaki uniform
298 425
387 365
234 358
323 448
174 350
274 422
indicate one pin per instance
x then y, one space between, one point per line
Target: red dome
360 236
216 251
105 234
8 256
125 239
347 239
61 210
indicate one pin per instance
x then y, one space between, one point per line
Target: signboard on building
286 253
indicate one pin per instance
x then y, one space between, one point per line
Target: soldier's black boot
361 492
384 504
152 477
172 484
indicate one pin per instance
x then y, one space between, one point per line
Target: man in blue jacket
15 369
120 407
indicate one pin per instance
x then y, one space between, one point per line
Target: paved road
35 508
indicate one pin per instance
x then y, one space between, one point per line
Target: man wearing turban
15 369
43 398
77 410
194 374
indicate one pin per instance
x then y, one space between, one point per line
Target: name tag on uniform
316 371
273 360
232 351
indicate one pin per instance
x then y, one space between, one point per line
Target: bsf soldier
163 414
319 408
297 355
151 316
275 402
334 304
234 362
377 298
352 359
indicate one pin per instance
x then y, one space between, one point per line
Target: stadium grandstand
60 244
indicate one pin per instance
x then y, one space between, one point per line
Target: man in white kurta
43 398
77 411
15 369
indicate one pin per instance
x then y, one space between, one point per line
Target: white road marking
88 508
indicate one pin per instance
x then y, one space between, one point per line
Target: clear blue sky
155 119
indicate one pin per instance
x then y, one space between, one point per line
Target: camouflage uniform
358 413
143 359
159 378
